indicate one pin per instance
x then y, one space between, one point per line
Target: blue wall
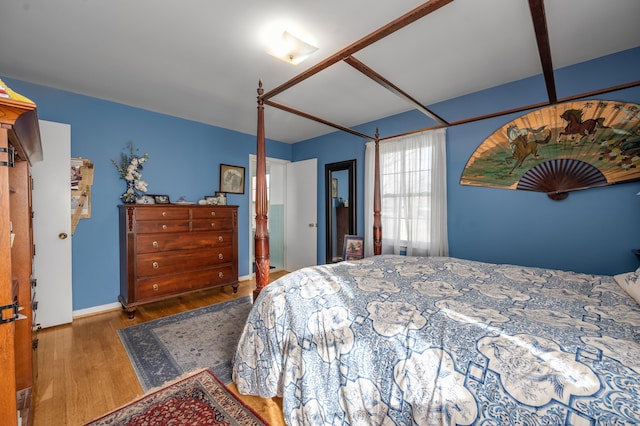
185 159
591 231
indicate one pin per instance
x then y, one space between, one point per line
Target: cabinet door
8 406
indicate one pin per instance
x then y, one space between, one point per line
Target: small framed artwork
211 200
146 199
353 247
161 199
222 198
231 179
334 188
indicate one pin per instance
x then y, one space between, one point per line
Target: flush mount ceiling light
290 48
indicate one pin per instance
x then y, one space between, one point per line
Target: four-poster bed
409 340
539 22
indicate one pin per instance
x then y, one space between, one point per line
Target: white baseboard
96 309
116 305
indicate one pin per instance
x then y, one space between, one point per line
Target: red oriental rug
198 399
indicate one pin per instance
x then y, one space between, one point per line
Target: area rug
198 399
166 348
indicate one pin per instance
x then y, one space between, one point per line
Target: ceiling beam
317 119
524 108
393 26
364 69
539 18
455 123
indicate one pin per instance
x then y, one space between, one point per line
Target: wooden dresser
19 147
168 249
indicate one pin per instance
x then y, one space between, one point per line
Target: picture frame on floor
353 247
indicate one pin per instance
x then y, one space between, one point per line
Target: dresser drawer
159 213
185 260
211 212
154 243
211 224
157 287
147 227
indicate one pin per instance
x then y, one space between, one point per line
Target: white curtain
413 183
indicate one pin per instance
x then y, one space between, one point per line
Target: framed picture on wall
334 188
231 179
353 247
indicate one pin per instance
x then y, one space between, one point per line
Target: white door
52 225
301 211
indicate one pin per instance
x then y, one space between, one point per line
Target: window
413 194
405 191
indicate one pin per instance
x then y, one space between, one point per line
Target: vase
129 196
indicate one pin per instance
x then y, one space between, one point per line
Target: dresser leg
131 312
235 288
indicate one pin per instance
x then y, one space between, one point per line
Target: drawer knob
155 287
154 244
213 213
155 265
213 224
164 213
164 227
220 275
220 238
220 256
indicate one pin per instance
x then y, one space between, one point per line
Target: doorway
292 217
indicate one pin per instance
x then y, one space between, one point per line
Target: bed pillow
630 282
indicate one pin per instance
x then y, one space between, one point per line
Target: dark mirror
340 202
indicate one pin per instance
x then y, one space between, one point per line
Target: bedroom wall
185 159
592 231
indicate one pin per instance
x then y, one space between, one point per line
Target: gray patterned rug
165 348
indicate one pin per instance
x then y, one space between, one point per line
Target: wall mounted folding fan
561 148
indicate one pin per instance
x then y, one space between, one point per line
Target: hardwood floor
84 372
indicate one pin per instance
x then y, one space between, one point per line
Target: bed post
261 245
377 223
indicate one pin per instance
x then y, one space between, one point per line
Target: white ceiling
202 59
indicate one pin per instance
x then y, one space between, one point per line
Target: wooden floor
84 372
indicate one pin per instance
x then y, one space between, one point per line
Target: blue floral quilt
394 340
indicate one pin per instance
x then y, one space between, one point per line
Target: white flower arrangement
129 168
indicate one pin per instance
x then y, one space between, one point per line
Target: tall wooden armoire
19 147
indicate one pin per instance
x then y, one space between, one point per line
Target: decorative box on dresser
20 146
168 249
